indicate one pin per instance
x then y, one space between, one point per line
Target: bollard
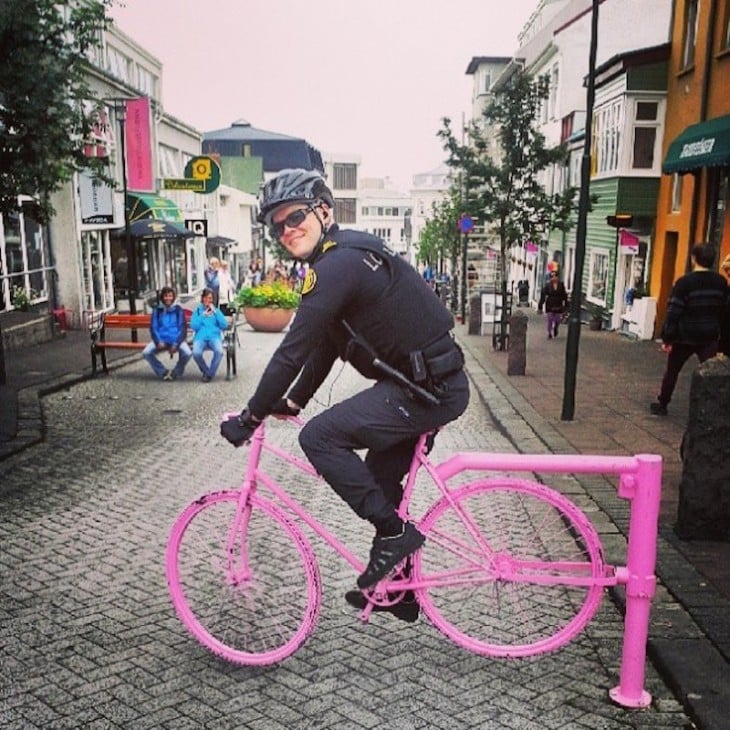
517 358
703 511
475 314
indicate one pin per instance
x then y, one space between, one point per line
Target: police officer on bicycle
363 303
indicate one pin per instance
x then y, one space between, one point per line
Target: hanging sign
205 170
138 137
96 200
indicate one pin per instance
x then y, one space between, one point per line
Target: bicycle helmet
292 186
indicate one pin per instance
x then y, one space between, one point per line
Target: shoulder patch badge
310 281
327 245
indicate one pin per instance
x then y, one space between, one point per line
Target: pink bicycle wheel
514 568
255 605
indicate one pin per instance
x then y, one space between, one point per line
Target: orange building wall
670 256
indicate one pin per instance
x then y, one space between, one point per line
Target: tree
504 189
43 87
439 237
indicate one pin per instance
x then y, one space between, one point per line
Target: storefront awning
706 144
220 241
149 205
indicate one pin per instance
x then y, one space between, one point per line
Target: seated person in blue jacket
208 323
168 330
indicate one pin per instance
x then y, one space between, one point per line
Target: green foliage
500 163
43 68
21 298
440 235
268 295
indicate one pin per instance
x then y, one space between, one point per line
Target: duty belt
436 362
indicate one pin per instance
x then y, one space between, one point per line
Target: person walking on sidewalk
692 325
168 330
365 304
208 323
555 300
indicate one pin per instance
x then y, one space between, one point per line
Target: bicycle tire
524 521
263 618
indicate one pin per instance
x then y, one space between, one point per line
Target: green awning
706 144
149 205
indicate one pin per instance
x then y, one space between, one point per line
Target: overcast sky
366 77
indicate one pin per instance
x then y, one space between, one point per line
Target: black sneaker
407 609
657 409
387 552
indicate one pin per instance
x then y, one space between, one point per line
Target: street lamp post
573 340
119 105
120 111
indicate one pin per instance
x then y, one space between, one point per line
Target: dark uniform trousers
386 420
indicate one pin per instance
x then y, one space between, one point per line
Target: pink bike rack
640 483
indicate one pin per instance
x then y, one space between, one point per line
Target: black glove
282 408
239 429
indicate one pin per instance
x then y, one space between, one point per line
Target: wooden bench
105 321
134 323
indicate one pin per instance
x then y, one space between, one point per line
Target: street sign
183 183
206 170
466 223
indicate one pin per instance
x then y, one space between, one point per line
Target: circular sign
466 223
206 170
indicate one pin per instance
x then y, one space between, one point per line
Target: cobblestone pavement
90 639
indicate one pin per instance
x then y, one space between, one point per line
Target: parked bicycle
510 567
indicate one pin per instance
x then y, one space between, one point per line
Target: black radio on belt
418 366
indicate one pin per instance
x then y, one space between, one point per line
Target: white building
427 190
385 212
342 174
89 249
555 42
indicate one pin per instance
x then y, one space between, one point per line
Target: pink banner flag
140 175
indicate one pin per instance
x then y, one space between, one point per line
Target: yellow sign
183 183
201 168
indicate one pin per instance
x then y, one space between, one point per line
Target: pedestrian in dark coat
554 299
692 325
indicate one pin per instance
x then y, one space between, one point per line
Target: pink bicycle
510 567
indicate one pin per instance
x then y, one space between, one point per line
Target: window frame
593 279
689 34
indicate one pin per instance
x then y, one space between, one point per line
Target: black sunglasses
294 219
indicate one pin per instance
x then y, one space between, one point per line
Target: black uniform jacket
355 278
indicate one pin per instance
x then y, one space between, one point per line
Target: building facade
694 191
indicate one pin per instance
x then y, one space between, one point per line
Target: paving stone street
90 639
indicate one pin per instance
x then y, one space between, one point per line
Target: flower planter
268 319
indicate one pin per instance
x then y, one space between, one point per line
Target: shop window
23 258
718 193
598 278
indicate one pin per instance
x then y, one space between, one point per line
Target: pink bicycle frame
639 482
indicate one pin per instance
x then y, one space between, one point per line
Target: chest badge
310 281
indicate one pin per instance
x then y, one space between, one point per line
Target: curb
30 428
